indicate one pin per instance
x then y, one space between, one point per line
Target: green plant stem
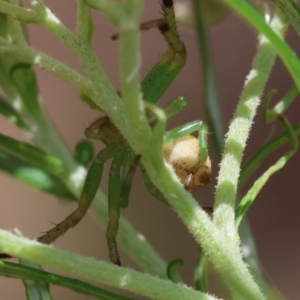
264 152
91 269
43 61
130 61
291 11
106 96
261 181
286 101
209 85
107 7
223 254
84 28
283 50
257 186
20 13
201 273
224 212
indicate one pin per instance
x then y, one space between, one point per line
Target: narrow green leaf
24 80
249 198
35 289
201 273
256 161
31 154
283 50
34 167
291 11
34 177
210 95
11 114
26 272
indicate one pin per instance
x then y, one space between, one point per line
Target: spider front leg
164 72
188 155
171 62
89 190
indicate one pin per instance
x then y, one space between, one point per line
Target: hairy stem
224 214
91 269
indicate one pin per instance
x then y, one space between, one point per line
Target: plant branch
224 212
42 60
22 14
91 269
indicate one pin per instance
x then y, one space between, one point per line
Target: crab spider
186 154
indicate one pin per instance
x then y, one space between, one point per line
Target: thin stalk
261 181
130 61
263 153
226 190
209 85
91 269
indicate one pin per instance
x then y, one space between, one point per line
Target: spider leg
151 188
127 182
118 194
186 129
89 190
171 62
171 109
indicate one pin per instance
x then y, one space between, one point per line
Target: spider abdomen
183 155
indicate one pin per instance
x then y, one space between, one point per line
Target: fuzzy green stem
112 10
222 253
107 98
42 60
20 13
224 213
84 28
130 60
91 269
